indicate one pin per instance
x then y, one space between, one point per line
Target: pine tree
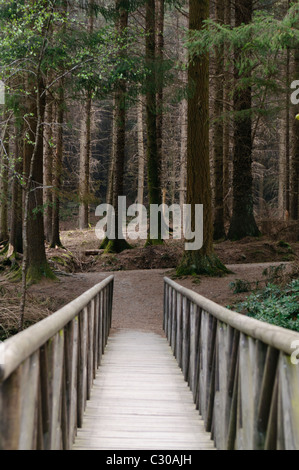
203 261
243 222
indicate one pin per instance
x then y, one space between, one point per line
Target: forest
168 102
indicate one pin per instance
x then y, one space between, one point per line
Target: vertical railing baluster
186 338
174 320
82 372
100 328
104 320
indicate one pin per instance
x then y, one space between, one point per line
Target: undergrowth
275 304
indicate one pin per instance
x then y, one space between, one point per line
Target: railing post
186 338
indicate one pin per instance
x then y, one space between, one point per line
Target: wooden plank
140 399
100 327
233 412
29 402
71 371
82 368
289 386
174 321
10 405
186 338
45 396
221 407
267 390
56 352
271 433
178 346
90 350
94 310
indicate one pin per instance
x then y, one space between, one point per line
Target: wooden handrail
47 372
239 369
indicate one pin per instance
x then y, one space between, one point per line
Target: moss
117 246
36 273
150 242
209 265
104 243
283 244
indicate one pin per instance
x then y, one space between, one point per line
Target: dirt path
138 295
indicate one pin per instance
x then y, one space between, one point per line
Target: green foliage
274 304
35 34
259 45
283 244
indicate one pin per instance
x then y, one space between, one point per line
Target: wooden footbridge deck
234 384
140 400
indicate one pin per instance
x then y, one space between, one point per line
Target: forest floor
139 277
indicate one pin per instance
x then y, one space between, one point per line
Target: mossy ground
195 264
116 246
34 274
155 242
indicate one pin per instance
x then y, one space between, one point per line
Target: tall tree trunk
85 141
16 220
159 55
119 244
57 169
219 231
85 147
198 165
141 156
295 151
282 166
226 129
111 173
287 133
153 157
183 113
33 227
243 222
4 151
183 150
48 167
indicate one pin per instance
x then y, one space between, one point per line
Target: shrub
274 304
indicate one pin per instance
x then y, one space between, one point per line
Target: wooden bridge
234 384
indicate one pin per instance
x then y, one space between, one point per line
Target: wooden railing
47 371
242 371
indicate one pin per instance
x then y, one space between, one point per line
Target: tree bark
243 222
183 113
4 151
85 147
85 141
198 164
287 134
141 156
153 156
226 130
48 167
119 244
295 151
57 169
33 226
219 231
15 235
111 172
159 55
